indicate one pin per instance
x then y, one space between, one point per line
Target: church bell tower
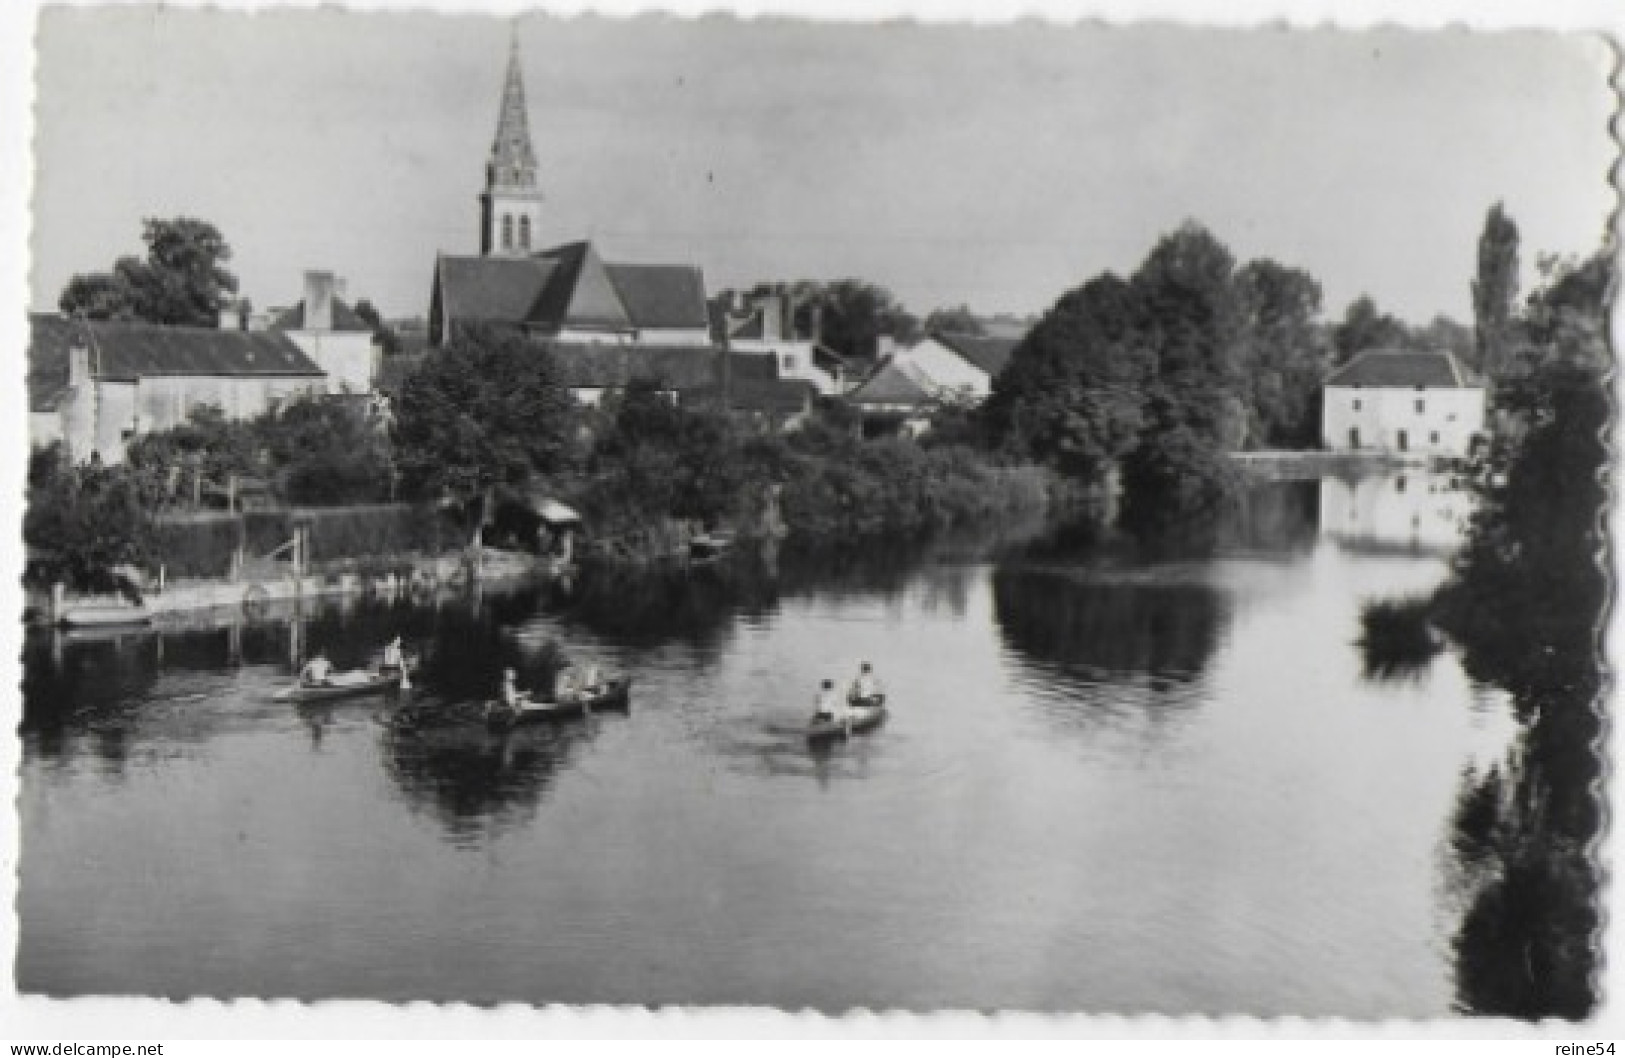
511 206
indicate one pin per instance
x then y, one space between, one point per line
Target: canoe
375 683
105 616
866 716
616 694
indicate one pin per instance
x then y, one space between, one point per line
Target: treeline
1526 601
1145 384
486 416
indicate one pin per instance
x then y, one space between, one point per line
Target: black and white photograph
559 509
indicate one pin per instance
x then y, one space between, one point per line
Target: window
507 232
1399 483
1356 403
1421 406
1354 437
1433 438
789 361
524 233
1404 441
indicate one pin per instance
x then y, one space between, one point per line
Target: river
1106 785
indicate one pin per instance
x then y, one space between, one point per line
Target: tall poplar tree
1495 290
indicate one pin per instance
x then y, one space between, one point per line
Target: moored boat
865 715
105 616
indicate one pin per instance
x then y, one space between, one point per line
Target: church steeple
510 208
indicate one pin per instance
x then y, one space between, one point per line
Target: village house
1402 402
568 292
898 398
332 335
97 385
766 323
960 367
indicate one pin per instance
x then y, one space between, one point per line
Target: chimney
78 363
319 288
772 317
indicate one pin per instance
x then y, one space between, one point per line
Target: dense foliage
183 280
82 523
486 411
1526 601
1153 379
1495 290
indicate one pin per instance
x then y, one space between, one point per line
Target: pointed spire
513 161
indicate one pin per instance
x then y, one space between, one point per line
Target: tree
387 339
856 315
83 523
1495 290
485 411
1366 327
957 320
1283 354
183 281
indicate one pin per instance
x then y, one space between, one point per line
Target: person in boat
592 678
394 661
568 685
866 687
828 705
512 696
318 672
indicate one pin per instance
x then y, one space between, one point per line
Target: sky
996 166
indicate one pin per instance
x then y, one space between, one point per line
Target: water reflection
1410 511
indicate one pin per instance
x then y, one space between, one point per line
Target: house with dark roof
960 367
95 385
897 398
766 323
341 343
1402 401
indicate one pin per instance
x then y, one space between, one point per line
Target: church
569 293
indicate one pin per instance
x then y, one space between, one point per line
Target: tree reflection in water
480 783
1526 602
1111 626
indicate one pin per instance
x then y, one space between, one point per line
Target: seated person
592 681
567 685
827 705
511 695
318 672
394 661
865 687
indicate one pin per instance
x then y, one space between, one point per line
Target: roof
570 286
141 350
990 354
586 366
896 382
1401 369
775 396
344 319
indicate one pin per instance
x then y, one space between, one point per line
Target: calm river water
1106 786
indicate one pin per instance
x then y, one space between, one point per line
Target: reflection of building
1402 401
96 385
1397 512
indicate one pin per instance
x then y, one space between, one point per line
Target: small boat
867 714
105 616
615 694
355 684
710 546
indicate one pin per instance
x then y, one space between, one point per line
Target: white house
960 367
1401 401
766 324
331 334
96 385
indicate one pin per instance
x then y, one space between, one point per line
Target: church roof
123 350
570 286
1401 369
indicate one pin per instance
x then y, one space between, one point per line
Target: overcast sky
996 166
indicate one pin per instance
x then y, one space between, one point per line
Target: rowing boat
341 685
107 616
863 715
614 694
